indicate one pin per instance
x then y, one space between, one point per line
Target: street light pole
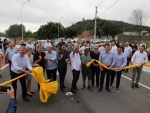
58 26
95 24
21 17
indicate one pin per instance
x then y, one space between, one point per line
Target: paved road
127 101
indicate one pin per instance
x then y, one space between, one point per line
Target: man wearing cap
139 57
95 66
86 71
107 58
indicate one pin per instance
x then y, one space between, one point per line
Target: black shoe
83 87
132 86
100 89
108 89
30 95
62 89
0 76
76 89
73 91
26 99
90 88
136 86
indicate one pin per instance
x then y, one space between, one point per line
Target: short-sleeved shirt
10 52
85 59
42 62
96 57
4 45
62 63
127 50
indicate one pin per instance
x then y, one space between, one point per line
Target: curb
145 70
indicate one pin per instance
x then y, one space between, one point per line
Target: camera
4 88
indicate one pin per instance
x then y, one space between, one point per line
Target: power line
109 8
100 3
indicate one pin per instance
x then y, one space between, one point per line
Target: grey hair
49 46
22 47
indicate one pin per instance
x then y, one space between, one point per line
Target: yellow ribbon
46 87
126 67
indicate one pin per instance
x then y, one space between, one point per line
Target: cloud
36 13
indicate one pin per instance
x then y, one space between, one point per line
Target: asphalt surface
127 101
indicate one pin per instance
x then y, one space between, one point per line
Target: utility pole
95 24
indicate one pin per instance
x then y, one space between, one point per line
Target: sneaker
0 76
117 89
136 86
90 88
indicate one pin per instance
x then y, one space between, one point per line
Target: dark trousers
75 79
9 65
128 61
118 78
43 74
51 74
108 73
62 74
95 71
22 82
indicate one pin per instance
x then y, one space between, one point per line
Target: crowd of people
23 57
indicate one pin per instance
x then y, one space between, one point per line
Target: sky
39 12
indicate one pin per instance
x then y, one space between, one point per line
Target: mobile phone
4 88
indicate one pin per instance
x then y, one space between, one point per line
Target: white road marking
139 83
146 70
4 66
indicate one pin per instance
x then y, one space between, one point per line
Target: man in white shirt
139 57
30 45
142 43
47 43
114 47
127 53
76 65
20 63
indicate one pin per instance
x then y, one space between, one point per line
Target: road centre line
139 83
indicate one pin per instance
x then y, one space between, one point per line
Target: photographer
12 107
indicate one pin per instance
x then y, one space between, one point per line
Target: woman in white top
29 77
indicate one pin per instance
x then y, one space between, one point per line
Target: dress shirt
75 61
101 49
107 58
10 52
139 58
46 44
127 50
12 107
120 60
30 46
19 62
51 64
114 48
